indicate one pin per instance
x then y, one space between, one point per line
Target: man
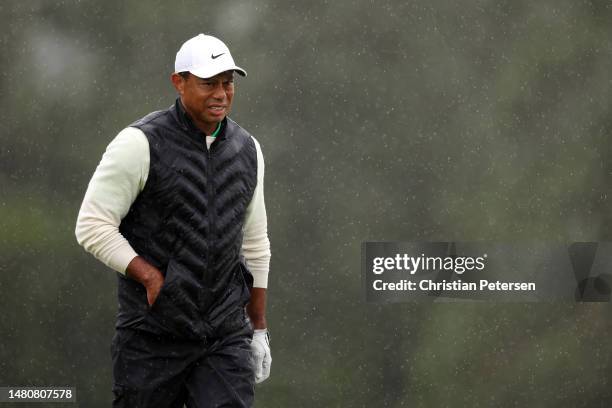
176 207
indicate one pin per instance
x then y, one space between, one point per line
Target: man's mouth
217 110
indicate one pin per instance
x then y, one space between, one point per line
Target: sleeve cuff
122 258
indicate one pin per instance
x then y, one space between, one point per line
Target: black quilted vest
187 222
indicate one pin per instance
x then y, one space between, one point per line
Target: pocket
247 276
233 299
162 290
163 303
175 308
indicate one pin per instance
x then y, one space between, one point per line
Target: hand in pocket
153 290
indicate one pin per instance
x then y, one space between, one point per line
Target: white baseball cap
205 56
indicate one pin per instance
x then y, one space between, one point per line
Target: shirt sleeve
117 181
255 242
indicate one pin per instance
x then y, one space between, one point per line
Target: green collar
216 132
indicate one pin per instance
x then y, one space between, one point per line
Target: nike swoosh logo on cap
213 56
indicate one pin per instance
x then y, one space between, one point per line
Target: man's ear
178 82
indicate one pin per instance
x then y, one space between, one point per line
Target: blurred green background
389 120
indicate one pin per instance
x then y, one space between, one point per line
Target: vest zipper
211 216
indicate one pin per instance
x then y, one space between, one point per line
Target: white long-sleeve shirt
117 181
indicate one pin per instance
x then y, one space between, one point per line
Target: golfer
176 207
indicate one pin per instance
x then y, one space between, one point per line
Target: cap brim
210 74
240 71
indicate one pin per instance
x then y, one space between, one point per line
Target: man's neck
216 132
208 128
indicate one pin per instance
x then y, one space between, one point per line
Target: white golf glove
262 359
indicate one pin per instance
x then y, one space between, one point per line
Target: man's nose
218 92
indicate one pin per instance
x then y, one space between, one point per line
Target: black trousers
154 371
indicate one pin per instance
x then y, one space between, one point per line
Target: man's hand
148 275
261 354
153 287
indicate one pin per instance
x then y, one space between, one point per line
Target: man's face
207 100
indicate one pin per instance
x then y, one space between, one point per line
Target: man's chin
215 119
